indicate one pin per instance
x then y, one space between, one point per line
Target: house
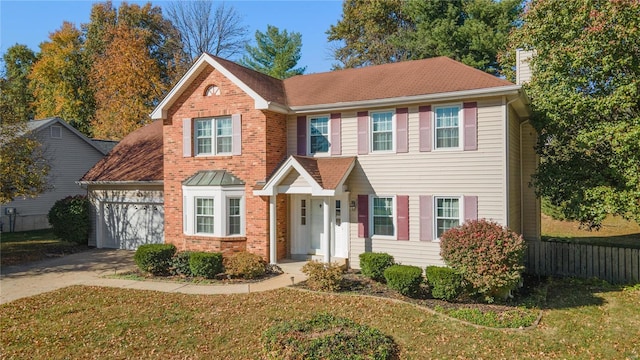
126 192
70 155
327 166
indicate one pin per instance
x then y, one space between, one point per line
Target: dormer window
212 90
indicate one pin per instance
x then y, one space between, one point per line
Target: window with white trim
319 135
383 216
447 214
448 127
214 136
217 211
382 131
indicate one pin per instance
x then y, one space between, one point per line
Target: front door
317 226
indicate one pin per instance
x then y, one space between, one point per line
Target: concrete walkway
90 268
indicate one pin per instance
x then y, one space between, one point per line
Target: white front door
317 226
340 237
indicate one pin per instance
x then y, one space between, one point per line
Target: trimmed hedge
245 264
405 279
374 264
321 276
205 264
329 338
155 258
445 283
180 264
70 219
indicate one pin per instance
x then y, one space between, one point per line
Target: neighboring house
125 189
70 155
328 166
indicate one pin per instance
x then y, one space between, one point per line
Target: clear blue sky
30 22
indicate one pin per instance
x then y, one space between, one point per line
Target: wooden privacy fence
613 264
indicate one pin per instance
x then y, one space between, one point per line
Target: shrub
321 276
327 337
487 255
155 258
374 264
445 283
405 279
70 219
180 263
246 265
205 264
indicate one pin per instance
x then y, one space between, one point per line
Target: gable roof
40 124
437 78
137 157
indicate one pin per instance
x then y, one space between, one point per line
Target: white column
272 229
326 235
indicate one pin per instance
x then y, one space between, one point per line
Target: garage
128 225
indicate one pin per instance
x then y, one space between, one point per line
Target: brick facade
263 148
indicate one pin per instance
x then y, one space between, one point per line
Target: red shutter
236 127
470 114
363 216
363 132
336 133
402 205
402 135
302 135
426 217
470 208
187 143
425 127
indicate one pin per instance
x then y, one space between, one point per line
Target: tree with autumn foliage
585 97
16 98
59 80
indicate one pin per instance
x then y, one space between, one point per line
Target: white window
382 131
383 216
214 142
212 90
217 211
447 210
303 212
319 135
56 132
448 127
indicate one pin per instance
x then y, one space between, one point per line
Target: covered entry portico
318 210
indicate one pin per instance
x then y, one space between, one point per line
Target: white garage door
129 225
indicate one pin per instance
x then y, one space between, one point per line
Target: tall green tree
585 96
16 97
59 79
276 53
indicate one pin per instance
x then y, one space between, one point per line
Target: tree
586 104
275 54
470 31
16 97
59 80
369 33
23 166
203 29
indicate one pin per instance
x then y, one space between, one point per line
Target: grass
26 246
615 231
581 320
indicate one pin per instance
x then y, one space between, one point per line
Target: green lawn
26 246
615 231
581 320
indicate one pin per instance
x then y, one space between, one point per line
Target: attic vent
212 90
56 132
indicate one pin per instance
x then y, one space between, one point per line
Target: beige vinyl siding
530 203
70 158
515 179
294 179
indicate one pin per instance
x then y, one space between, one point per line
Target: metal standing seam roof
212 178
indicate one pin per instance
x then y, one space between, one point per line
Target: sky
30 22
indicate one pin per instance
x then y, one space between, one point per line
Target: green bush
180 264
445 283
245 264
70 219
327 337
155 258
487 255
205 264
374 264
322 276
405 279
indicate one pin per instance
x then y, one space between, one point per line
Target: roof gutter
405 100
127 182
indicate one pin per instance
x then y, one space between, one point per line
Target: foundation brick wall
263 148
